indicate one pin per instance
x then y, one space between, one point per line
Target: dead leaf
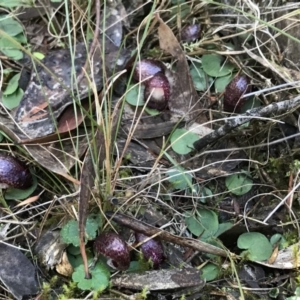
87 180
57 157
286 259
28 201
184 99
55 84
274 255
64 267
35 113
70 120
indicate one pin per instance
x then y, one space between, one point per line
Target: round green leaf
10 26
99 281
223 227
12 85
278 239
151 111
138 266
222 82
238 184
10 49
76 259
199 78
258 246
210 272
179 179
13 100
18 194
15 54
214 66
205 194
93 223
204 223
73 250
21 38
135 95
182 140
70 233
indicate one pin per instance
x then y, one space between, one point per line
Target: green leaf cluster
100 273
212 68
215 70
70 232
204 223
11 37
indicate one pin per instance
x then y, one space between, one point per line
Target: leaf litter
232 180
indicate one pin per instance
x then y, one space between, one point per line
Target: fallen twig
149 230
273 110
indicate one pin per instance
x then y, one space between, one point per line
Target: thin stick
149 230
274 109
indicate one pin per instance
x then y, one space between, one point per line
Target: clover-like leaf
223 227
12 85
11 3
182 140
199 78
70 233
39 55
203 223
10 49
238 184
13 100
258 247
278 239
135 95
222 82
214 65
179 179
210 272
9 25
99 277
